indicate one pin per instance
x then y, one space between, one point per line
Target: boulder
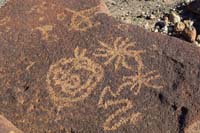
68 66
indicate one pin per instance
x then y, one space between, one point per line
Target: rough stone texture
7 127
195 6
68 67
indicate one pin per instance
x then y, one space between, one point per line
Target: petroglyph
117 118
45 31
61 16
81 20
119 52
73 79
40 9
136 82
4 21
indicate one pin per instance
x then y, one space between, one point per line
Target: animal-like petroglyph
136 82
118 118
46 33
119 52
73 79
81 20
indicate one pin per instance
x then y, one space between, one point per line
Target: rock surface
68 67
195 7
7 127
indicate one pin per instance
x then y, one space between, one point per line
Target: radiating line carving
118 53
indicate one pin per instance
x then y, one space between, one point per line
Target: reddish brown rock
68 67
190 33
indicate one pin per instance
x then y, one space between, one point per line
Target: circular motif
73 79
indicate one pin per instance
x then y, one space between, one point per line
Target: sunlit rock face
67 66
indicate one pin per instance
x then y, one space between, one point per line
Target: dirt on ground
164 16
144 13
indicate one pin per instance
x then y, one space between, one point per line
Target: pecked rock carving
66 67
135 83
118 53
68 73
126 106
81 20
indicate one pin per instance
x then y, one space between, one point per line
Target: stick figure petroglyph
136 82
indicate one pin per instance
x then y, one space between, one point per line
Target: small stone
2 2
160 24
128 20
187 1
170 29
190 33
155 30
165 29
166 19
152 16
179 27
174 18
113 2
198 38
147 26
188 23
143 14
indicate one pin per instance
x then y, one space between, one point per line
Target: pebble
196 43
2 2
170 29
152 16
190 33
166 19
128 20
174 18
147 26
165 29
179 27
187 1
188 23
198 38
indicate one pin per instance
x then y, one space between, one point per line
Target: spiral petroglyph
73 79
